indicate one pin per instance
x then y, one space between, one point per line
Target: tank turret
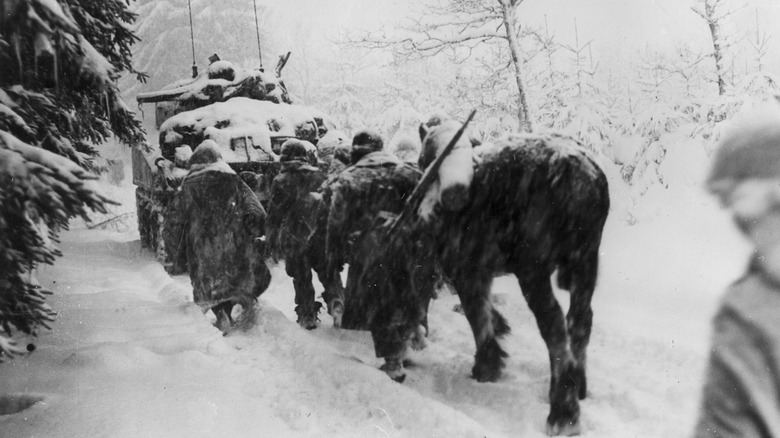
221 81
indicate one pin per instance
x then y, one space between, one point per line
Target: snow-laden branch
46 179
451 24
426 42
8 347
712 11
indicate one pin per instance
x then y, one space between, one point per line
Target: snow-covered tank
248 113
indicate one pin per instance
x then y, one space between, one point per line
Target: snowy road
130 355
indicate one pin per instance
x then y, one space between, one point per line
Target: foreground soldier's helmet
750 150
365 142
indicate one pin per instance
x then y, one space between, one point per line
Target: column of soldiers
322 219
323 214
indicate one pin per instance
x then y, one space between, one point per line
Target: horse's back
534 197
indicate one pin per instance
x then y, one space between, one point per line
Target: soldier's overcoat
216 220
293 209
362 199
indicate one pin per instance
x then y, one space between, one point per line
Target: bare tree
760 45
578 59
714 13
509 11
685 64
654 73
460 28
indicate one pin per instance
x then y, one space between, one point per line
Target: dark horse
527 205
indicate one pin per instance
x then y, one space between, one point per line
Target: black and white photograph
389 218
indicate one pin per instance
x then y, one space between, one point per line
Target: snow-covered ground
130 355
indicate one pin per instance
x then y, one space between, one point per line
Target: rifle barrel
430 175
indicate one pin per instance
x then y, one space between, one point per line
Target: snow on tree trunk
711 12
718 54
508 8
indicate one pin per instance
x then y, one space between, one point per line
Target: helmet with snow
219 69
298 150
328 143
745 173
206 153
182 156
365 142
407 149
437 119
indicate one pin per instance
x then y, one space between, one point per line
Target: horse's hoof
563 429
564 420
394 369
488 362
485 373
308 322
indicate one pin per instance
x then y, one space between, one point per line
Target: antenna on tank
257 28
192 40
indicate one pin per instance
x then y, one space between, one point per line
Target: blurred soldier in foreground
291 222
741 395
365 197
217 221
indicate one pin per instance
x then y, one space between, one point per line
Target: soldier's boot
335 307
224 319
337 311
417 338
306 307
334 299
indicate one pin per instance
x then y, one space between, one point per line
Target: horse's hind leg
579 319
474 292
564 406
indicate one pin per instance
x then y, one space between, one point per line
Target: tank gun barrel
161 96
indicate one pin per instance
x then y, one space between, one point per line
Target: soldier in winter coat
333 151
365 197
741 395
328 272
216 220
291 221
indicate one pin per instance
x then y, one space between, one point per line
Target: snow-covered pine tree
59 61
